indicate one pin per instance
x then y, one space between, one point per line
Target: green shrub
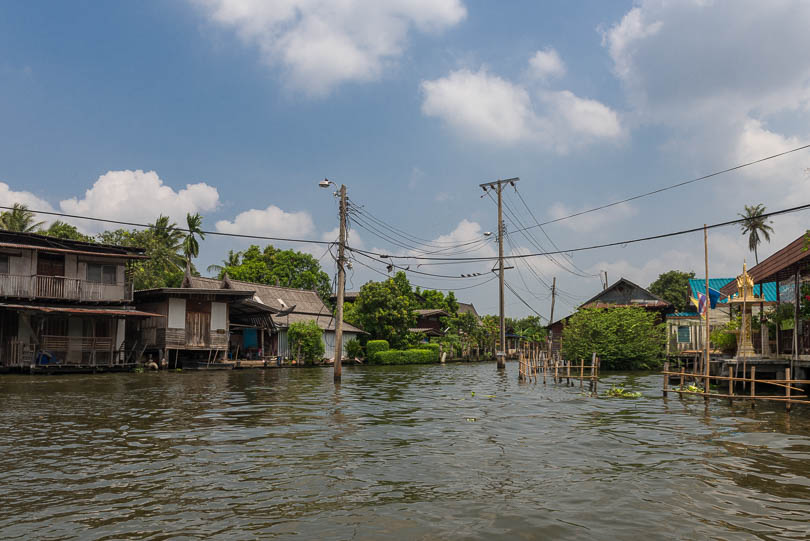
725 338
434 348
405 356
354 349
306 338
373 347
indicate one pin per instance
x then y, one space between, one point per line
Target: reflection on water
423 452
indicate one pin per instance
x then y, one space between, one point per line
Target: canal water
418 452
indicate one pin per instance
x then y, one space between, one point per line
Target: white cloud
322 43
681 61
271 221
8 197
486 107
591 221
546 64
139 196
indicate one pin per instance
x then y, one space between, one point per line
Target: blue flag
714 296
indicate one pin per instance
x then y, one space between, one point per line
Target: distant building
288 305
429 322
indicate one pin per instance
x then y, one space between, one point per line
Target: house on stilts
65 305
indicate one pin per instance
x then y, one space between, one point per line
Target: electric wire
672 186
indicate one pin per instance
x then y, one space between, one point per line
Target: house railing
61 288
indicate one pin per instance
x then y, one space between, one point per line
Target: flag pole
706 308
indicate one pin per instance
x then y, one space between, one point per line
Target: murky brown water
394 453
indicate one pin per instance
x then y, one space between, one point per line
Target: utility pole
553 296
341 286
498 187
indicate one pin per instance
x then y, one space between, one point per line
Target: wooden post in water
666 378
592 386
731 383
581 372
787 389
596 380
568 373
753 386
683 370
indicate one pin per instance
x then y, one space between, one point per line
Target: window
683 334
3 264
101 274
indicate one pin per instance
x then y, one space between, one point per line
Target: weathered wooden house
429 322
64 305
195 325
287 306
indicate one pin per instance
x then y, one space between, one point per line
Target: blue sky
236 109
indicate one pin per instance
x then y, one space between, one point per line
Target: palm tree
755 224
167 233
191 246
19 219
231 261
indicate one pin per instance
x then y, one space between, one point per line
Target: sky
237 108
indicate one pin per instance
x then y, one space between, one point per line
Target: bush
373 347
306 338
725 338
405 356
624 338
354 349
434 348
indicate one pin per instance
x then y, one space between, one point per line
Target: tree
306 340
288 268
754 225
624 338
437 300
673 287
231 261
384 310
19 219
62 230
191 247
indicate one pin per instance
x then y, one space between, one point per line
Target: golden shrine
746 297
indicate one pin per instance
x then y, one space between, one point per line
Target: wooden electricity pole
553 296
707 356
341 286
498 187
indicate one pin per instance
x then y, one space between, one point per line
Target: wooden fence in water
531 367
792 394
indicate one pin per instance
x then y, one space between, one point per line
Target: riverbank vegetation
625 338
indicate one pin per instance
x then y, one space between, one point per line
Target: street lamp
341 285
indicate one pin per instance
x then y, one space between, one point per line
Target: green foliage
755 224
437 300
433 347
529 328
624 338
725 338
405 356
354 349
62 230
673 287
287 267
373 347
385 310
306 340
164 266
191 246
19 219
621 392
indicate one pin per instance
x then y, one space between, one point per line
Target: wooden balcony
61 288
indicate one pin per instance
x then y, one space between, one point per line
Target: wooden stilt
787 389
753 386
581 372
665 383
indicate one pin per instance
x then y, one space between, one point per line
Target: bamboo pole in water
665 383
787 389
753 385
581 372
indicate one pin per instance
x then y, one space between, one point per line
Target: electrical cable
672 186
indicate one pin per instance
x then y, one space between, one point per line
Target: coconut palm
191 246
755 224
167 233
19 219
231 261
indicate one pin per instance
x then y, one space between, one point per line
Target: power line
608 244
426 287
150 226
510 288
677 185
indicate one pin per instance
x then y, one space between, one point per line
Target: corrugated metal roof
726 285
683 314
81 311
